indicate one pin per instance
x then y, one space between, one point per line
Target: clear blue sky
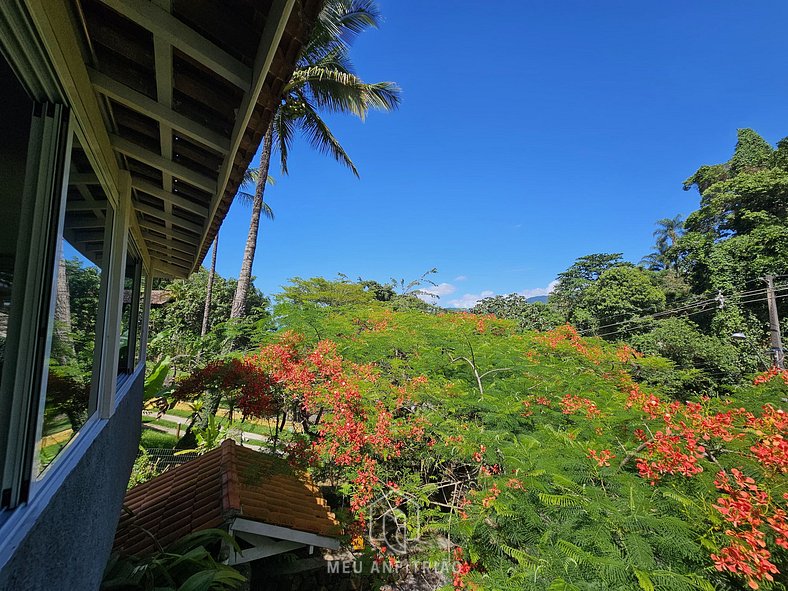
530 133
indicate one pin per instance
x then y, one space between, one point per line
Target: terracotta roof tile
210 490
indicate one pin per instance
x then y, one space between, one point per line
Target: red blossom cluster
769 375
602 458
349 431
687 430
749 511
256 389
571 404
568 335
668 453
625 352
489 499
461 569
479 321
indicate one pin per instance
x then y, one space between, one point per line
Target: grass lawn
151 439
161 422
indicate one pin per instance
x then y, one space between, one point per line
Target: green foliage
324 292
83 286
509 478
680 340
572 283
154 381
529 316
176 326
752 153
189 564
622 294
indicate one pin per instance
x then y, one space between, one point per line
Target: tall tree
573 282
209 288
324 79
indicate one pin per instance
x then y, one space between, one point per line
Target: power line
761 291
624 330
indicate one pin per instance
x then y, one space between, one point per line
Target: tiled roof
230 481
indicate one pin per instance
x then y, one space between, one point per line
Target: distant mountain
542 299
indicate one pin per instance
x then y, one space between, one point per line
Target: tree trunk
209 288
245 277
63 345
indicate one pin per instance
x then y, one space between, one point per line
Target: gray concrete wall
68 547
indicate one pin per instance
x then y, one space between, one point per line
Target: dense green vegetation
540 458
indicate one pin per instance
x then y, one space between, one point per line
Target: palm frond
267 211
321 138
284 127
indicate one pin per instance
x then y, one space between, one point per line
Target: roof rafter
129 97
147 187
167 217
162 24
266 50
150 158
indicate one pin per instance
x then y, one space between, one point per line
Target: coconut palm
250 178
668 231
322 81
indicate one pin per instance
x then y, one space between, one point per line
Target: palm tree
209 288
249 178
668 231
323 80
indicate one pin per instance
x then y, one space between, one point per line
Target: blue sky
530 133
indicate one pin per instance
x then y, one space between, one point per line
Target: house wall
69 542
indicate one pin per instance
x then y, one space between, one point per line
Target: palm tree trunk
63 338
245 277
209 288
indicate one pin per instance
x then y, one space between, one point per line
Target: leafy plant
189 564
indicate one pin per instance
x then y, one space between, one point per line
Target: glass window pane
15 129
74 360
128 316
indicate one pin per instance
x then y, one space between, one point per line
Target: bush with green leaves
189 564
541 462
528 315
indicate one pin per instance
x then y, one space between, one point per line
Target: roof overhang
268 540
177 93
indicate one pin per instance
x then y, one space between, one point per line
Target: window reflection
140 318
73 359
129 313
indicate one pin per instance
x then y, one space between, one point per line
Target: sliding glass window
73 366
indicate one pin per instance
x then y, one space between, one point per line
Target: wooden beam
144 186
63 42
275 25
164 269
170 233
150 158
283 533
162 58
167 217
83 178
167 244
163 24
178 258
164 115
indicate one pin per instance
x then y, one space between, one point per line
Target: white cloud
433 292
461 278
539 291
469 300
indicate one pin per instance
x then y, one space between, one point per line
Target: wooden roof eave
174 228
